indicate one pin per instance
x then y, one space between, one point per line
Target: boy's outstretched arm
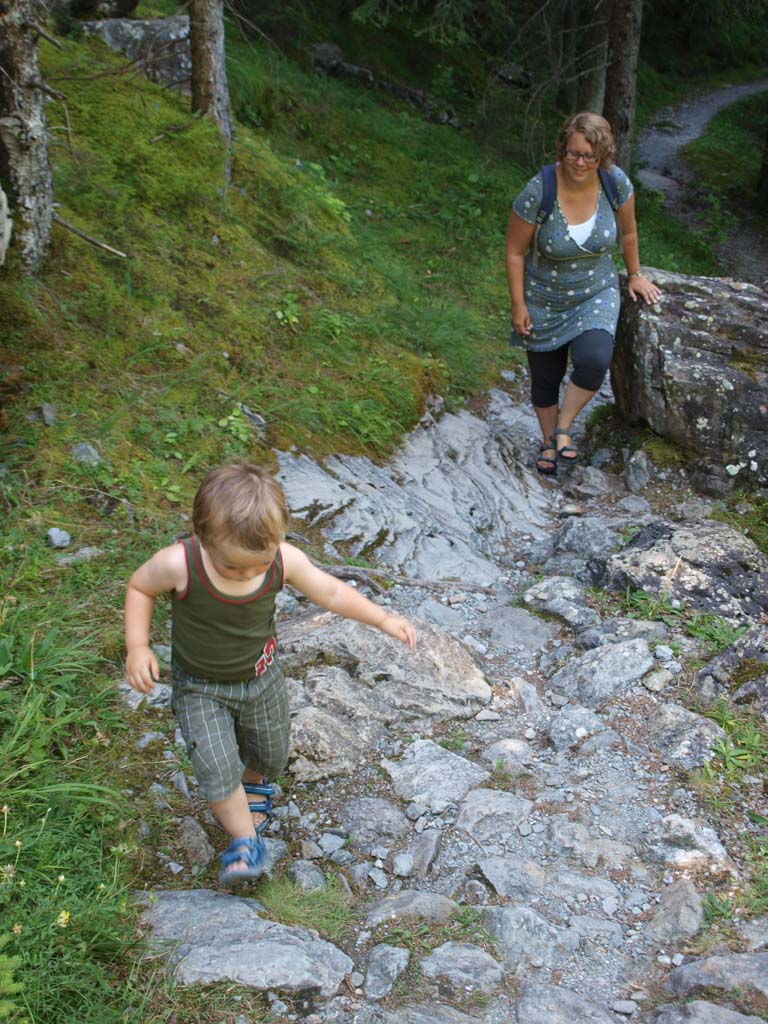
165 571
338 597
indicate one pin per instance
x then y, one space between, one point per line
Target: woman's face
579 160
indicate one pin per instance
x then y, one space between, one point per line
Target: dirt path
744 252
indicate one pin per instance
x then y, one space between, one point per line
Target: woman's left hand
641 286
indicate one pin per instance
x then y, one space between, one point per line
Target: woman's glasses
574 158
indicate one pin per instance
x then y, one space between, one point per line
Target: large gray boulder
695 369
349 684
708 566
161 45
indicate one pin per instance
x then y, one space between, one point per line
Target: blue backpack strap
610 187
547 205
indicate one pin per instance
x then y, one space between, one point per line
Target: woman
567 298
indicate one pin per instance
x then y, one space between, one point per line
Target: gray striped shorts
232 726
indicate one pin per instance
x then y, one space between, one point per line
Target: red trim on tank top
216 594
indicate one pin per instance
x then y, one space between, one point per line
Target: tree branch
87 238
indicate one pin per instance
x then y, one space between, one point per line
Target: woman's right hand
521 320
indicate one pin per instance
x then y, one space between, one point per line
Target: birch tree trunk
24 166
209 77
621 75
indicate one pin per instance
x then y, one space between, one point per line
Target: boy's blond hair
240 504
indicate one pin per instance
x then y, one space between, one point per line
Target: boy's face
232 562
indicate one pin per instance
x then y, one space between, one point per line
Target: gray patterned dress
574 288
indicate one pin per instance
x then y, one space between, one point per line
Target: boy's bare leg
547 417
234 817
251 776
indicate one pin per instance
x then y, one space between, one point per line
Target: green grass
329 911
728 156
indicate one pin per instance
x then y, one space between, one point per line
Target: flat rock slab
548 1004
349 684
428 1013
680 915
699 1012
600 674
209 937
463 967
449 504
490 814
385 965
411 905
745 973
523 936
372 821
687 843
682 737
431 775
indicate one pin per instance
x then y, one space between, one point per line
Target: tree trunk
24 166
621 75
6 227
762 181
594 46
209 76
569 35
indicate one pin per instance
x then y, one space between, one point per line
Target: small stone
559 700
379 878
530 733
330 843
356 979
658 680
403 865
415 811
147 738
678 959
49 414
626 1007
309 849
85 454
58 538
342 858
663 653
663 959
486 715
85 554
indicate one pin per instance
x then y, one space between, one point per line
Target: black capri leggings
591 354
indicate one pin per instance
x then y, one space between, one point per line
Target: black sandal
570 459
550 465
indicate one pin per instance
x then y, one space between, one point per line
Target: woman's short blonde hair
595 130
240 504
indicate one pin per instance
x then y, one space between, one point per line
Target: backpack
549 193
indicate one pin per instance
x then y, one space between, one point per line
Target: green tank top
220 637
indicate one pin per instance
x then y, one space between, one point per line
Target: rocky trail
744 249
509 807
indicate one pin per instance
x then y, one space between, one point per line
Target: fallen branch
175 129
87 238
47 36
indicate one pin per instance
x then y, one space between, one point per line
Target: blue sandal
252 853
260 806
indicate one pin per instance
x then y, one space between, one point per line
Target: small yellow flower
4 809
101 886
7 871
16 929
17 844
22 883
63 919
61 878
